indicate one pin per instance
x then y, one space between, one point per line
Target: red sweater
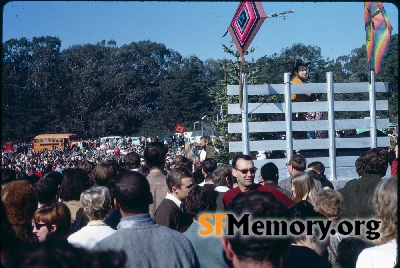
227 197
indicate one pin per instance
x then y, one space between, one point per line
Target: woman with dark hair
54 220
75 181
208 248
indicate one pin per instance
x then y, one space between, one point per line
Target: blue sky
192 28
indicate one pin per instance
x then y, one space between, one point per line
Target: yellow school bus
52 141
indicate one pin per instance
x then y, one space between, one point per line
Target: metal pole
288 116
331 125
245 123
372 111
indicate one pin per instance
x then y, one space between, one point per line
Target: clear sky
192 28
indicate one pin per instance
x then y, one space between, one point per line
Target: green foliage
144 88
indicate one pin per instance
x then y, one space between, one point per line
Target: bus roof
52 135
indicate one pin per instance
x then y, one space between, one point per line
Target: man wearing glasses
244 171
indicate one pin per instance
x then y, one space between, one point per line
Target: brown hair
57 214
329 203
304 186
298 162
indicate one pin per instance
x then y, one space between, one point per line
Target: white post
372 111
245 121
288 116
331 125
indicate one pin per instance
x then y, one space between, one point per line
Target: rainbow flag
190 153
378 32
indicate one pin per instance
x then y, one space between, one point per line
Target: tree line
144 88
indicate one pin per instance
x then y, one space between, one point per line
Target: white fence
330 106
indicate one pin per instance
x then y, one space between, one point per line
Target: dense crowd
143 207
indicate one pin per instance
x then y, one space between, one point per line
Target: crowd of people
142 210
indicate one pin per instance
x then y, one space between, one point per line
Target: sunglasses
244 171
37 225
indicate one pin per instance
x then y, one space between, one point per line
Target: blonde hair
385 206
304 186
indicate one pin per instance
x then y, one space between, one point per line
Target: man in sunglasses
244 171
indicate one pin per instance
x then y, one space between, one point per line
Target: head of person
244 171
376 161
304 211
205 141
103 173
360 165
75 181
269 172
46 190
297 163
7 175
132 160
182 161
131 191
155 154
179 182
385 207
300 70
56 253
96 202
200 200
303 187
223 176
20 203
52 219
348 250
208 165
86 165
329 203
256 249
317 167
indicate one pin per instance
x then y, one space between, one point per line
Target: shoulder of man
278 194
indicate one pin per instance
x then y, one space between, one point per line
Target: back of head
182 161
132 192
57 214
209 165
298 162
348 250
270 171
385 207
75 181
46 190
317 166
56 176
86 165
132 160
221 173
199 201
56 253
175 176
360 165
376 161
103 173
329 203
20 204
96 202
155 153
8 175
260 205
